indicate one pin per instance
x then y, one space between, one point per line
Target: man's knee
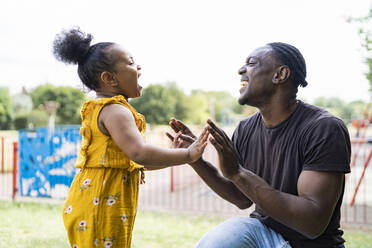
234 232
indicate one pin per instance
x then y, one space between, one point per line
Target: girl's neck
108 95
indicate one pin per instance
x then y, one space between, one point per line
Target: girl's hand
184 137
196 149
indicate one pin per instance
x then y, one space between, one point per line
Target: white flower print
68 209
86 184
86 181
82 225
111 202
107 243
125 177
95 201
96 242
124 218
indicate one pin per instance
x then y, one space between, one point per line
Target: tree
70 101
365 33
222 106
6 109
159 103
345 111
199 109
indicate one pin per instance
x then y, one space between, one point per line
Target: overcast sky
197 44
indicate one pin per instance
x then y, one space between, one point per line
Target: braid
291 56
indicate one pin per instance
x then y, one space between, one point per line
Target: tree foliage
365 33
345 111
70 101
6 110
159 103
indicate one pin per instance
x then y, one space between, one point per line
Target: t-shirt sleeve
327 146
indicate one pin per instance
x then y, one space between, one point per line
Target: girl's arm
119 123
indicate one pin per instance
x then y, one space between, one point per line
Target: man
289 159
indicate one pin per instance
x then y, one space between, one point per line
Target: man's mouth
244 83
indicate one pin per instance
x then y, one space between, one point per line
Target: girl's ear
108 79
281 75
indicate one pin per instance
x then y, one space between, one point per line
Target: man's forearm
219 184
299 213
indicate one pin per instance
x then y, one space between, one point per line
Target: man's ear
108 78
281 75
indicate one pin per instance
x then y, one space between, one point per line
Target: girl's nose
242 70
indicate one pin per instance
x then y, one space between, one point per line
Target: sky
199 44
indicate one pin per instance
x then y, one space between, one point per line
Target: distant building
22 102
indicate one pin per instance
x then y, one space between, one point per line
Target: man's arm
207 172
308 213
219 184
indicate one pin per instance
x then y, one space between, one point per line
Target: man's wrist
237 176
198 162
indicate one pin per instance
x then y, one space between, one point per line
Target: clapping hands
184 138
228 156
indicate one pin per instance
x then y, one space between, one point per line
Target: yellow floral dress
101 205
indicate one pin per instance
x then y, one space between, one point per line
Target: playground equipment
357 143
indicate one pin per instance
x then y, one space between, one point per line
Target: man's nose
242 70
138 68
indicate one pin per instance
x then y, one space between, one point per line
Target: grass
26 225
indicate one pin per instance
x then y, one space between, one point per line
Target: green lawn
29 225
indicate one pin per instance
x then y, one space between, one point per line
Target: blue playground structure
47 161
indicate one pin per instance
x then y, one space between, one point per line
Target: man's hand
227 154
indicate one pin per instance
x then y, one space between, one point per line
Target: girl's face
126 73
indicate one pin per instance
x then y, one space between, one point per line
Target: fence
8 164
46 169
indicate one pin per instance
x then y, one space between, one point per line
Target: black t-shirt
309 139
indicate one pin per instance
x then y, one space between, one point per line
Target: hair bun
71 46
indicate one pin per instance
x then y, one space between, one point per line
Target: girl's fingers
205 144
180 144
203 136
176 140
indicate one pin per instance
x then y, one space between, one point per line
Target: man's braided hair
291 56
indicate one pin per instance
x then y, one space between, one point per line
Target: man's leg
242 232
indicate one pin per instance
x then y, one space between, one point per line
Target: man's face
256 76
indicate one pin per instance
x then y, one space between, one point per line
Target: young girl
101 205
